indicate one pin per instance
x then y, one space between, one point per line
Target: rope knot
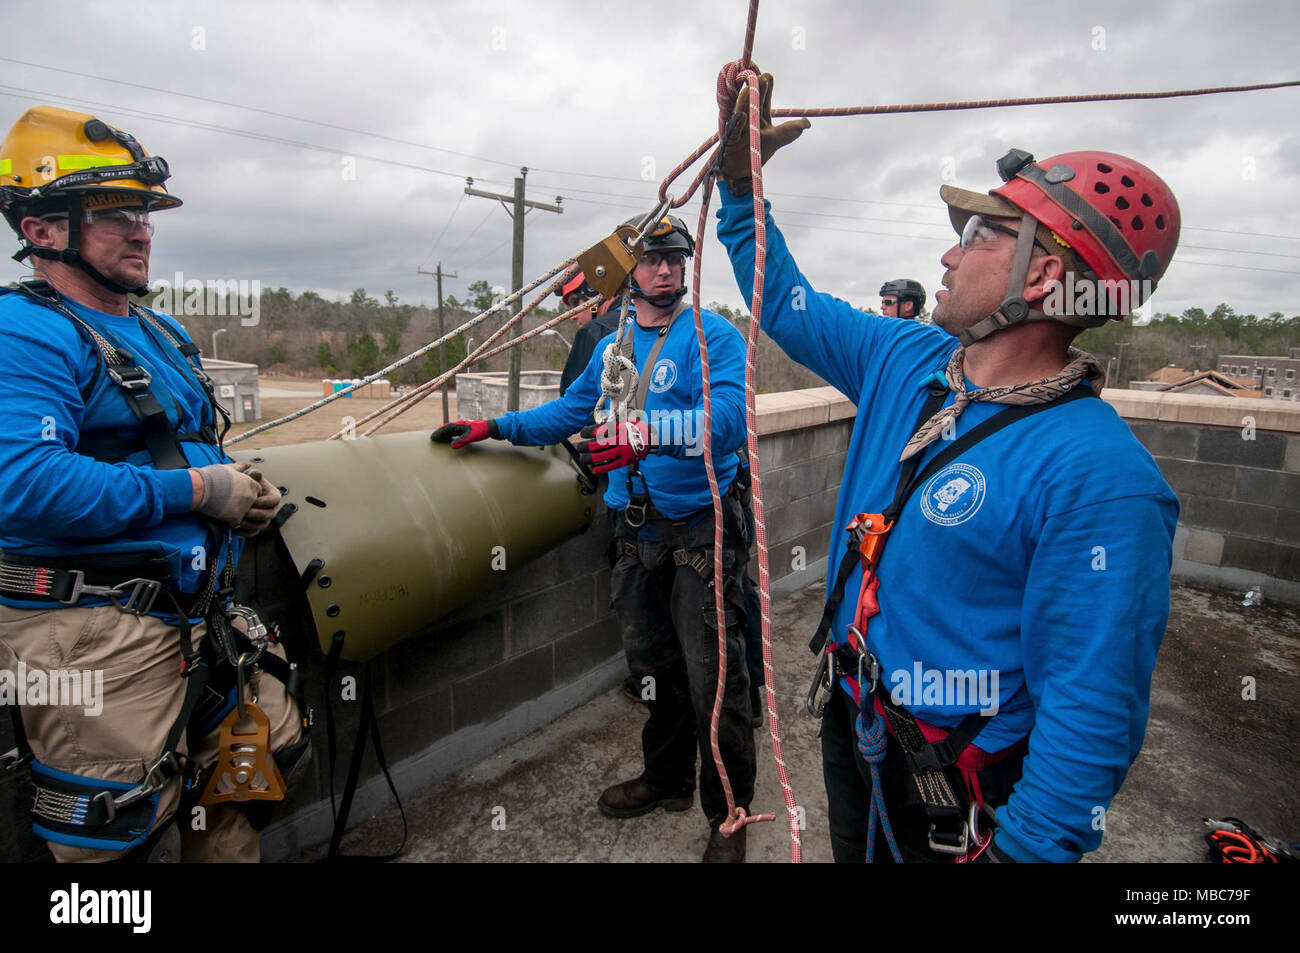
738 819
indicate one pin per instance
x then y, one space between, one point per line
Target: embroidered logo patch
664 376
953 495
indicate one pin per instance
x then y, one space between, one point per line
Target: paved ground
1209 751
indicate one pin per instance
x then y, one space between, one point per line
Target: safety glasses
656 258
120 222
980 231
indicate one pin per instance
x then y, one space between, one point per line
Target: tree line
307 335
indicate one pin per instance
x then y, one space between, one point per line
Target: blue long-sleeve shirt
1042 554
55 501
674 476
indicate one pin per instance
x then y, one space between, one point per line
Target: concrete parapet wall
1235 465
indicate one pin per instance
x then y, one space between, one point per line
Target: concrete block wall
1235 465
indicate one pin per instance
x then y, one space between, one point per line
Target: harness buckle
140 599
956 844
156 778
133 378
639 509
11 760
105 798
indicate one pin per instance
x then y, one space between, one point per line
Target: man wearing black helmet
662 520
902 298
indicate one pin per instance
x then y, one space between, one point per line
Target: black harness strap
368 727
849 563
160 438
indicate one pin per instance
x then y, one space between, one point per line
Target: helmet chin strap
660 301
72 254
1014 308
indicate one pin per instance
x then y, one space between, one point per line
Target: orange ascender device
872 531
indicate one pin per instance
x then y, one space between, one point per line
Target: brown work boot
634 798
725 850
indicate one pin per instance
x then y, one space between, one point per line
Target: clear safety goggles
980 230
118 221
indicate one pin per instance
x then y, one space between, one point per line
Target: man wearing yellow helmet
118 517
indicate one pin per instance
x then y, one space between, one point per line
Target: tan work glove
227 492
259 515
735 157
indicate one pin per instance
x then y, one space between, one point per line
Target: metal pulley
607 264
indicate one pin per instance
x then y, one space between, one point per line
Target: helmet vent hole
1121 202
1160 222
1100 187
1125 181
1103 167
1146 200
1117 222
1137 223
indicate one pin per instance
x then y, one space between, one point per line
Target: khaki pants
142 695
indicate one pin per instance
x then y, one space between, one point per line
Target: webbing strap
643 382
368 727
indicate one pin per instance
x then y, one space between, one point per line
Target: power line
486 216
467 155
278 140
226 130
447 225
263 137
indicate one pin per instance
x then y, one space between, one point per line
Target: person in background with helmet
593 325
662 519
902 298
120 515
1036 558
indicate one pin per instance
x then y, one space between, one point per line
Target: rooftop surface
1225 713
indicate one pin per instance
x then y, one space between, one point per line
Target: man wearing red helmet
593 324
984 687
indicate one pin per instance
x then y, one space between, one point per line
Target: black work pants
669 626
848 792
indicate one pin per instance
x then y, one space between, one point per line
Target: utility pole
442 348
1119 367
517 208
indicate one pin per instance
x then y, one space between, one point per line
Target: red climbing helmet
1117 218
1117 214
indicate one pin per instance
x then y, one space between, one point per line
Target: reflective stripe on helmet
75 163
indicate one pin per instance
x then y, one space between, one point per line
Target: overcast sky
597 98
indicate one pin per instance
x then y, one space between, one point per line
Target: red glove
464 432
604 451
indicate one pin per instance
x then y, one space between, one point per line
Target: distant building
236 386
1182 381
1275 377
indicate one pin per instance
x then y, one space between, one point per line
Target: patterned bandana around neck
1081 364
